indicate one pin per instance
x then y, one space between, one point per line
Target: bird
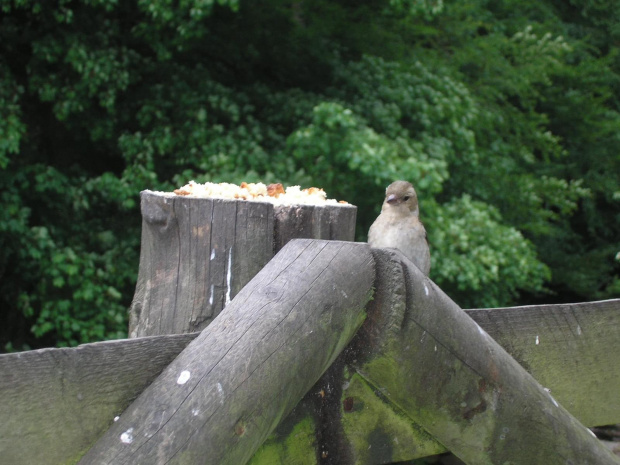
398 226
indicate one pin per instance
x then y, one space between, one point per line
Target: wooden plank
252 247
571 349
57 402
157 275
222 396
314 221
426 356
196 254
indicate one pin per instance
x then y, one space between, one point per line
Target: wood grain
222 396
439 367
57 402
198 253
376 431
571 349
314 221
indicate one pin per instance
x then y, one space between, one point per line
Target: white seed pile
273 193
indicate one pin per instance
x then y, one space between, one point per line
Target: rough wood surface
40 388
573 350
426 356
377 432
198 253
222 396
56 402
335 223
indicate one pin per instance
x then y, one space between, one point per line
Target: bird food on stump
199 248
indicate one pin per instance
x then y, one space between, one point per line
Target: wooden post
331 222
221 397
428 357
198 253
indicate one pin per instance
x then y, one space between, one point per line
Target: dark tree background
504 115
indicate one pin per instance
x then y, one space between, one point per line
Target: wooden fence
331 353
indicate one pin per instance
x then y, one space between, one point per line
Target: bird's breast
407 235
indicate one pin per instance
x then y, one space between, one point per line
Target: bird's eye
406 197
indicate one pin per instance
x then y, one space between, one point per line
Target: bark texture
223 395
198 253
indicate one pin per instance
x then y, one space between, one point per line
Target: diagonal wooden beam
221 397
428 357
57 402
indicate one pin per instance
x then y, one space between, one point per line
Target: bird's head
401 195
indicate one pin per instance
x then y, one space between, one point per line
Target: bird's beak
391 199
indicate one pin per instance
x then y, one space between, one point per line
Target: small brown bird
398 226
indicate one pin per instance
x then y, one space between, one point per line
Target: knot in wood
240 428
272 292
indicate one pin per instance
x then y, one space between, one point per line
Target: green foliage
11 126
425 8
479 260
549 136
337 141
504 115
77 271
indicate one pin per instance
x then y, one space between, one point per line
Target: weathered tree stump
198 253
220 398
